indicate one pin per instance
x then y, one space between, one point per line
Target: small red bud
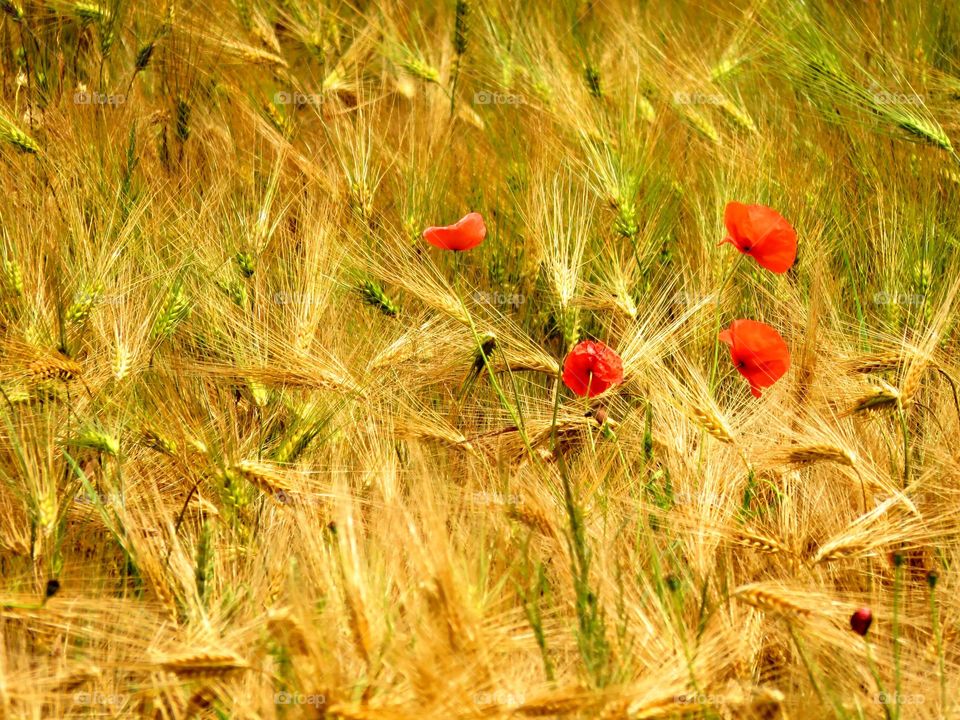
860 621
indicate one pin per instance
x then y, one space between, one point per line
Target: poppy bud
932 578
860 621
53 587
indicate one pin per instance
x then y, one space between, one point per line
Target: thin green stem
812 674
938 636
906 447
716 322
882 693
897 583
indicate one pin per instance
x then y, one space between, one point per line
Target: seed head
860 621
53 587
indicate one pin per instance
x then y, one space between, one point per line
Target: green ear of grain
183 119
374 296
591 76
12 278
823 67
12 135
280 122
95 439
158 442
420 69
175 310
204 568
245 263
462 13
299 438
234 290
83 303
12 9
143 56
91 12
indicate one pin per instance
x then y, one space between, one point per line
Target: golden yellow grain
712 423
763 543
819 452
201 663
769 600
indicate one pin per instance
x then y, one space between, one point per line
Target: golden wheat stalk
75 679
531 516
201 663
818 452
912 376
872 364
840 549
282 624
769 600
713 423
763 543
882 396
53 368
266 477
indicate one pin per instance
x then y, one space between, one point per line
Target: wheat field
272 449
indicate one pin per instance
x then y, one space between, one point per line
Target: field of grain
272 448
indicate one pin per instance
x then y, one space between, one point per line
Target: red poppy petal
759 353
762 222
591 368
574 379
726 337
762 233
736 216
466 233
777 251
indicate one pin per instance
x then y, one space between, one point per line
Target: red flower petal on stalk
758 352
468 232
761 233
591 368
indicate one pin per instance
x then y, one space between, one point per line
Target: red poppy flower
592 367
758 351
761 233
468 232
